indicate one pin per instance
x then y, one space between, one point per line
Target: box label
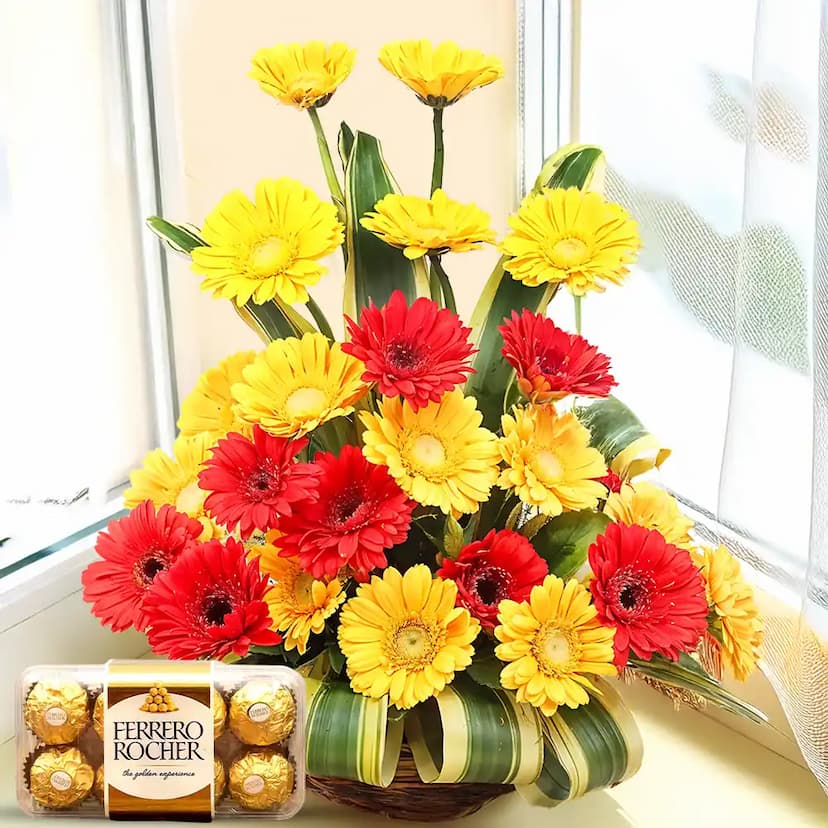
158 741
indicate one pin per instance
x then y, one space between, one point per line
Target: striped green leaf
593 746
628 448
472 733
272 320
350 736
688 674
375 269
571 166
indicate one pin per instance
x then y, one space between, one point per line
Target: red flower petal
209 604
649 590
359 511
134 550
418 352
551 363
504 565
253 482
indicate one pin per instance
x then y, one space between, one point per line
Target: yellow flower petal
268 248
302 75
646 505
546 642
570 236
439 75
417 653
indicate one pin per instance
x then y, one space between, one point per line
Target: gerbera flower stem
439 151
577 314
321 320
327 164
445 284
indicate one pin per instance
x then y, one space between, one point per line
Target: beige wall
220 132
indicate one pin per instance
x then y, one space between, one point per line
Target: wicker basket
407 797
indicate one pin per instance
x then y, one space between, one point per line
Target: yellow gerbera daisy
298 604
550 463
174 480
647 505
439 454
570 236
731 599
402 635
267 248
441 74
296 384
433 225
302 75
210 408
551 642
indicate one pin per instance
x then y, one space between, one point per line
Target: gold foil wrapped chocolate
219 779
262 713
60 777
98 784
219 714
261 779
57 710
98 715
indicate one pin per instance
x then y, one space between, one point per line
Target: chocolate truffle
57 710
261 779
60 777
262 713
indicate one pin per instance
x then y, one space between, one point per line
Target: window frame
23 589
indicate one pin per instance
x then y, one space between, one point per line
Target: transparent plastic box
161 740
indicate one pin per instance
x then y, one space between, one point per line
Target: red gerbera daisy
359 512
551 363
419 352
649 590
612 481
134 549
504 565
253 482
210 603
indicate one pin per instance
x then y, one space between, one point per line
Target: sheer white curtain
714 117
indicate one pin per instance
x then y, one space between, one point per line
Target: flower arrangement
444 526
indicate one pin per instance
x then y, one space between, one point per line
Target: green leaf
472 733
336 658
628 448
375 269
486 667
571 166
350 736
563 541
273 320
181 239
345 143
689 675
591 747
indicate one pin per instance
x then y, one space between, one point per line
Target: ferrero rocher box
187 740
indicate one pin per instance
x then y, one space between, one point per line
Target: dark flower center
346 506
630 591
215 608
261 482
151 567
491 585
404 356
552 362
146 568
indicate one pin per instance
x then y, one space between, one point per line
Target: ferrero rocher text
157 740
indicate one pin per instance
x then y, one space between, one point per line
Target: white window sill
695 772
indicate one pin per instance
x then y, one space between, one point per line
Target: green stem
445 284
321 320
327 164
577 314
439 152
